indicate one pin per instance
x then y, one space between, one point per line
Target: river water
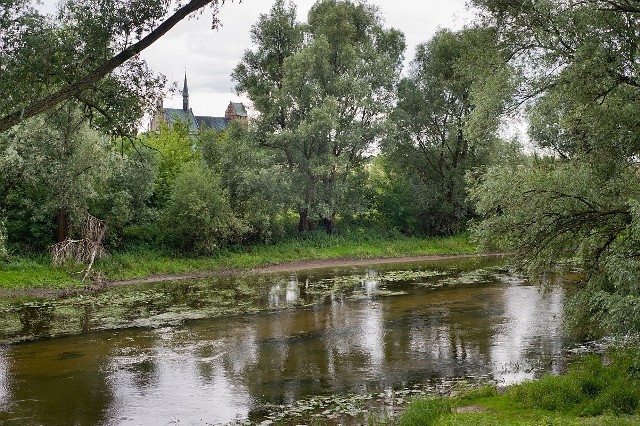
324 343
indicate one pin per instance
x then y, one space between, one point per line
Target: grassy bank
39 273
591 393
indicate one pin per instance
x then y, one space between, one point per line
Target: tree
582 93
173 148
330 103
258 188
444 125
125 194
53 167
260 74
45 62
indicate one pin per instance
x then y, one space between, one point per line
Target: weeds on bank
593 392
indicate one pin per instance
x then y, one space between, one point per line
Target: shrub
198 217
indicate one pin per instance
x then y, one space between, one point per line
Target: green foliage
52 170
125 196
260 74
66 46
444 125
555 210
609 301
258 189
174 147
322 95
592 392
551 210
590 388
584 84
197 216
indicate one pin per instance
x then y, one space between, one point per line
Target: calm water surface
361 331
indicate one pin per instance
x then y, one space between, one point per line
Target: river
332 344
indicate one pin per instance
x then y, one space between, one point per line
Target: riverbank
21 274
595 391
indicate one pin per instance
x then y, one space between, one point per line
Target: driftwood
84 250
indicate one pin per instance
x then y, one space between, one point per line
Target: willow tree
328 108
444 125
582 92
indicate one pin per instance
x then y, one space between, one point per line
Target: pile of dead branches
85 250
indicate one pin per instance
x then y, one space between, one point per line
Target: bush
198 217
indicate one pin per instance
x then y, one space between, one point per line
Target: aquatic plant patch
380 406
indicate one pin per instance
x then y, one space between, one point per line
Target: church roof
174 115
215 123
239 109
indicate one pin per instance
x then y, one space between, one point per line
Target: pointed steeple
185 94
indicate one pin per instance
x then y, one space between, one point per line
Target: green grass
314 247
35 273
591 393
137 263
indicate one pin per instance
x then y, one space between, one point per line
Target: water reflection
4 378
218 370
531 324
284 294
191 382
370 282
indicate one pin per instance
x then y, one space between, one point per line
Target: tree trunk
63 225
304 223
329 223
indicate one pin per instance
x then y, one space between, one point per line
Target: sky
209 56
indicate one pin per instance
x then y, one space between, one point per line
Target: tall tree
257 186
52 169
445 124
334 93
88 52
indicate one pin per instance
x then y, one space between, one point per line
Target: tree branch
97 74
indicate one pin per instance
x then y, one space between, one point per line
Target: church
235 112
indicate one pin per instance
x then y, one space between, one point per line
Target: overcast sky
209 56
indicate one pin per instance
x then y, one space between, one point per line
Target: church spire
185 94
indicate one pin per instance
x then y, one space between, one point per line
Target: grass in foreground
39 273
591 393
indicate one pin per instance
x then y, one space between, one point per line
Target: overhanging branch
97 74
